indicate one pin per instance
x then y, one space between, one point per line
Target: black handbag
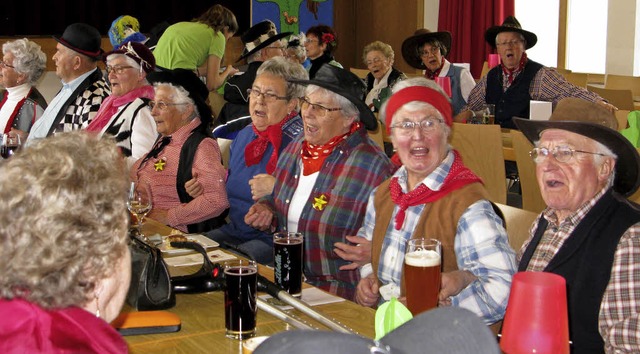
150 287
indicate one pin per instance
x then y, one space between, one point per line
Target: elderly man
518 80
83 85
589 233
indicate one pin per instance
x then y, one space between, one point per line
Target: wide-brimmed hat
449 330
411 45
259 36
510 24
138 52
346 84
82 38
595 122
188 80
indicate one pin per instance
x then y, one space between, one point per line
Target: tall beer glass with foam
422 274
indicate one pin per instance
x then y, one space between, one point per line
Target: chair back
485 69
621 117
517 223
361 73
621 98
480 147
377 136
578 79
623 82
531 197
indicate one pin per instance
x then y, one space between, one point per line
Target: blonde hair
63 219
379 46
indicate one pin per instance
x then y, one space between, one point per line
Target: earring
97 307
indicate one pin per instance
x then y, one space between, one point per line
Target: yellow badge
159 165
320 202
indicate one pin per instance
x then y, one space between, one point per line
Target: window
529 14
586 32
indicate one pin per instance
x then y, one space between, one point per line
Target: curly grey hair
28 58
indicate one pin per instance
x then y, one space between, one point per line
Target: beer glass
240 298
488 113
422 274
287 260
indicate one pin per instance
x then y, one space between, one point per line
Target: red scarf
111 104
254 151
431 75
511 74
313 156
458 177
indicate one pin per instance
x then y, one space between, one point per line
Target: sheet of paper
540 110
196 258
311 296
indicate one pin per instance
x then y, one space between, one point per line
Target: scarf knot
254 151
511 74
313 156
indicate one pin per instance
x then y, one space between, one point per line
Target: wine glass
139 203
10 143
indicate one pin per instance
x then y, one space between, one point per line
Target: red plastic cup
445 83
493 60
536 320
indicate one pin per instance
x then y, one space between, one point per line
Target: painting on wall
293 15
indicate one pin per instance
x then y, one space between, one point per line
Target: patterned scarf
511 74
458 177
254 151
431 75
313 156
111 104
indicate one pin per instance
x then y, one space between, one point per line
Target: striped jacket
345 181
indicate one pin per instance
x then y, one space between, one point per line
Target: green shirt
187 45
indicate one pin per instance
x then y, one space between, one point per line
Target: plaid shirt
348 175
481 247
547 85
619 319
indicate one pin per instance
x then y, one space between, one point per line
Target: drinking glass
10 144
488 113
422 274
287 260
240 298
139 202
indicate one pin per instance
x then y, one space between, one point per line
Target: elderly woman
65 265
184 150
320 43
125 114
296 52
22 65
275 122
379 57
324 177
426 50
433 193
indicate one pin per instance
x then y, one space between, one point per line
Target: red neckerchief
313 156
431 75
12 117
458 177
254 151
511 74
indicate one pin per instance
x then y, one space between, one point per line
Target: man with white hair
589 233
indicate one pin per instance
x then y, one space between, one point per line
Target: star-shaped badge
159 165
320 202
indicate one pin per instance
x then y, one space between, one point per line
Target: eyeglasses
512 43
311 40
118 69
268 97
406 128
374 61
319 110
560 153
4 64
427 52
163 105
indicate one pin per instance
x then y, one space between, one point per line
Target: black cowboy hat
595 122
189 81
411 45
346 84
82 38
510 24
260 36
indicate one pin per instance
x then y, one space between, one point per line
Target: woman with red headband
434 194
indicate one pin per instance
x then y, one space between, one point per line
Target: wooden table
202 317
507 145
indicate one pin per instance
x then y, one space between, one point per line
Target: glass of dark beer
240 298
10 144
422 274
287 260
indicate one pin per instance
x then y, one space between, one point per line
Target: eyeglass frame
4 63
554 152
266 96
511 43
163 105
424 54
304 101
410 126
117 69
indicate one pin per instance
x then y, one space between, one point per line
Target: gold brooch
320 202
159 165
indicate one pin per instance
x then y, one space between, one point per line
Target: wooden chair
518 223
481 149
531 197
377 136
485 69
621 116
225 147
623 82
362 73
578 79
621 98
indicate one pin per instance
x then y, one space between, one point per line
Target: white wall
621 30
431 10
